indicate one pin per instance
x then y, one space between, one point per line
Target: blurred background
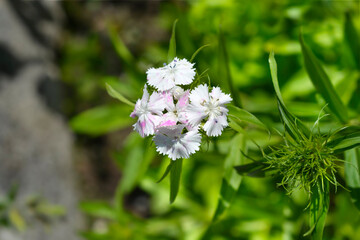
72 168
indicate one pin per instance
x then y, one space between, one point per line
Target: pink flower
149 112
175 112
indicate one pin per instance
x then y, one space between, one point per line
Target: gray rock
35 141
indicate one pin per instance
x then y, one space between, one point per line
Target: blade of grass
293 126
245 116
172 44
167 171
197 51
115 94
224 69
322 82
175 176
345 138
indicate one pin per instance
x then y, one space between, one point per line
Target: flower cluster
175 115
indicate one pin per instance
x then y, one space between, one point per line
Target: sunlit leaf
352 174
224 69
175 175
98 209
17 220
172 45
103 119
115 94
231 180
319 206
322 83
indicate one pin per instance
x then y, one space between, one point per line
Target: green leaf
224 69
172 45
167 171
98 209
255 169
245 116
231 180
322 83
352 39
319 206
296 129
352 175
103 119
344 138
17 220
137 161
175 175
197 51
115 94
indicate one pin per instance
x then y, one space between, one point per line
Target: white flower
170 141
212 105
175 112
178 72
149 112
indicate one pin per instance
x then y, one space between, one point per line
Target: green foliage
254 209
175 176
322 83
103 119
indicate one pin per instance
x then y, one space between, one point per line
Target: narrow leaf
167 171
255 169
231 180
345 138
224 69
352 39
352 175
245 116
115 94
322 83
197 51
293 126
17 220
98 209
172 45
175 175
319 207
102 119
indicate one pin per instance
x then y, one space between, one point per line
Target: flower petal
160 78
200 95
215 125
221 97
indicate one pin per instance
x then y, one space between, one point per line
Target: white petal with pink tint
178 72
170 141
149 112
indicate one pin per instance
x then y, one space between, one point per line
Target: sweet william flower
211 106
178 72
149 110
170 140
175 112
